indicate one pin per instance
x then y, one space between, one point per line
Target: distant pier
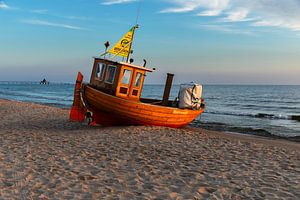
19 82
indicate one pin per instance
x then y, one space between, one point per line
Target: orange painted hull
110 110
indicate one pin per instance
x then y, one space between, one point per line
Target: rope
89 113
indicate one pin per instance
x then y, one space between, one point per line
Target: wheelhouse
121 79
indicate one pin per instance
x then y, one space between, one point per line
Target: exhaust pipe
167 91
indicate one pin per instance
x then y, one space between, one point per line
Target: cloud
237 15
40 11
229 29
263 13
70 17
209 7
3 5
279 23
182 7
112 2
46 23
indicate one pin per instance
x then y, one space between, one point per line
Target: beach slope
44 156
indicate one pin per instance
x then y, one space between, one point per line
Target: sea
264 110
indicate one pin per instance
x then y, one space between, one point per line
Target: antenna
138 12
135 27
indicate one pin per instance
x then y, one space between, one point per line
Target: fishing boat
113 95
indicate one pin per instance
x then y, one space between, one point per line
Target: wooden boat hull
110 110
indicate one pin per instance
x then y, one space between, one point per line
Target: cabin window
135 92
110 74
138 79
123 90
126 76
100 71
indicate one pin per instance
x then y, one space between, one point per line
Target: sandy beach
44 156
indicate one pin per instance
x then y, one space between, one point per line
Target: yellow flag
122 48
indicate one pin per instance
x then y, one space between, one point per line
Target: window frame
101 78
107 74
129 80
140 80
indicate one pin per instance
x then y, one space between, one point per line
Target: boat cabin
118 78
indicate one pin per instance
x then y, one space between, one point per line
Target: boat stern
77 112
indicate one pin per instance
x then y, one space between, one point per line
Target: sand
44 156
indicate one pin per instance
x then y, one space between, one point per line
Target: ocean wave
59 105
35 96
273 101
241 104
256 115
270 106
256 100
217 126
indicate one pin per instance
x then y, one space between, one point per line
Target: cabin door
130 83
125 80
136 84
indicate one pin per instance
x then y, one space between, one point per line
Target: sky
206 41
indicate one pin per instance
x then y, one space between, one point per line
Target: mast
124 47
130 47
